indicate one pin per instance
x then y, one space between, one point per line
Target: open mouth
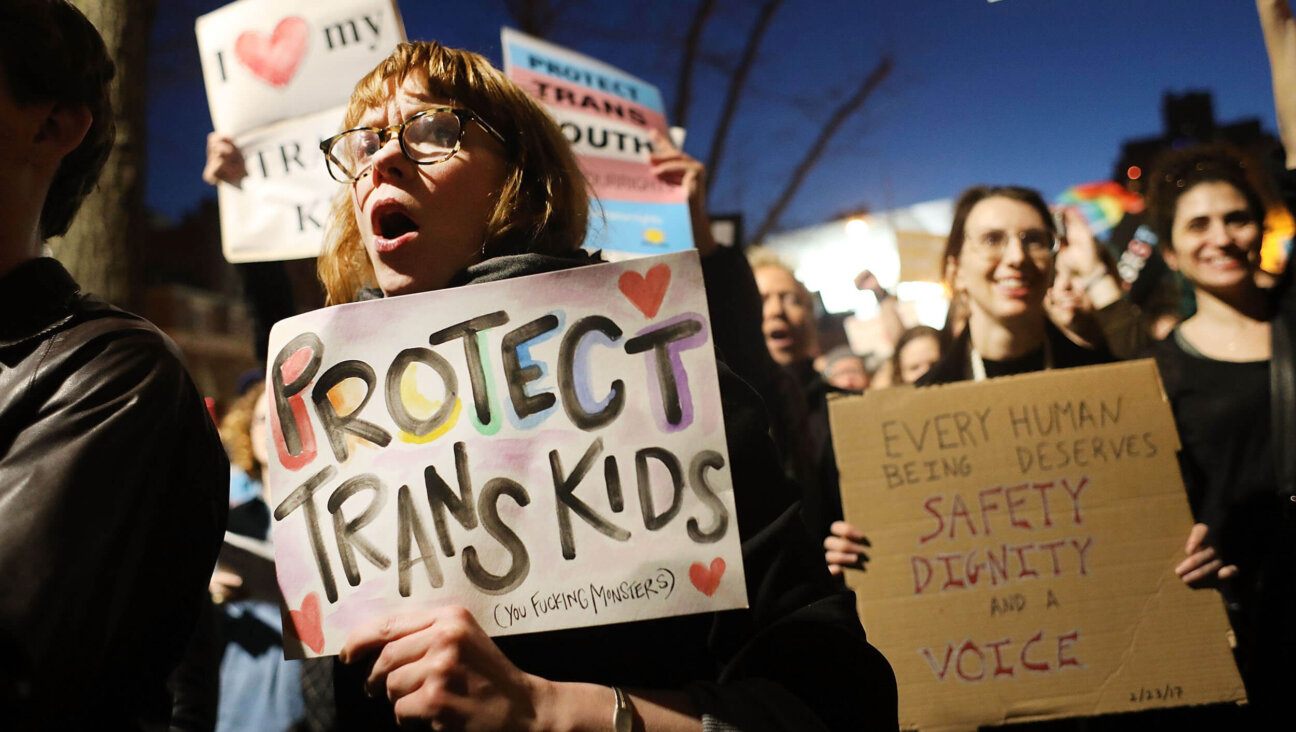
392 226
395 224
780 337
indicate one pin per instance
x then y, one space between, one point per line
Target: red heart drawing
274 60
707 580
307 623
646 291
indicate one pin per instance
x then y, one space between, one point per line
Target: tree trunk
839 116
97 249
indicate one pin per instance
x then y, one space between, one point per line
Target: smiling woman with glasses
999 259
999 262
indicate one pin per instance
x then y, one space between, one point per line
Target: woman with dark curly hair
1224 375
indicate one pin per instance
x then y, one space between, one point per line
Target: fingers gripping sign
225 162
438 666
845 548
1203 567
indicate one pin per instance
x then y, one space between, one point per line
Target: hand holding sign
1202 568
225 162
845 547
438 665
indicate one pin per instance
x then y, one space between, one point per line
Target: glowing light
1134 172
857 228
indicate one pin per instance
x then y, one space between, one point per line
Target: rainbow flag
1103 204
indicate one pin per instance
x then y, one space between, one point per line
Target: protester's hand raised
1202 568
675 167
224 161
845 548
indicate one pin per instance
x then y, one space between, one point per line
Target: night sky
1035 92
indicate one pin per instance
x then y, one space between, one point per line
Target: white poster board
278 75
280 210
547 452
269 60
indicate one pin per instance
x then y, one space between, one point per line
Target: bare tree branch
839 116
537 17
736 87
684 90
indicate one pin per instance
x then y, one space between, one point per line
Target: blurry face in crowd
421 224
257 431
1215 239
1067 298
917 357
786 315
1002 285
848 373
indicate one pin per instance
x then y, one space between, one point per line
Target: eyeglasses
1034 242
426 138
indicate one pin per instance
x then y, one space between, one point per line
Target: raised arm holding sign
552 453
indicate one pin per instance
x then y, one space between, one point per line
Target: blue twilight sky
1036 92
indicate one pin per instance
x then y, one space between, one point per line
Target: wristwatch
622 712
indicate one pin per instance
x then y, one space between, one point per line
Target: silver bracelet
622 712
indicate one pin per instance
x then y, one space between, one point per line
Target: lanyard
978 365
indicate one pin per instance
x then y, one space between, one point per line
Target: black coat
113 499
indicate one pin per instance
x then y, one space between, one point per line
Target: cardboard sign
1024 534
547 452
606 114
280 210
269 60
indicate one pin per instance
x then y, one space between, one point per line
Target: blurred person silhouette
792 339
259 689
916 350
845 370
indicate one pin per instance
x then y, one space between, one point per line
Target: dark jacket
113 490
797 659
956 364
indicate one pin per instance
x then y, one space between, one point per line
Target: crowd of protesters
113 482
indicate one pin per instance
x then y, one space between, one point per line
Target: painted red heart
707 580
307 622
646 291
274 59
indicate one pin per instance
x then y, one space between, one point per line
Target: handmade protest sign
278 75
1024 533
547 452
266 61
280 209
606 114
